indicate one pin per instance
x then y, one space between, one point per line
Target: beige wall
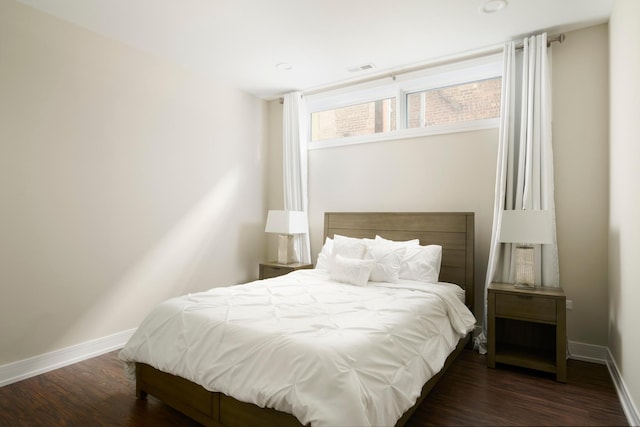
580 145
124 180
624 214
457 172
275 183
454 172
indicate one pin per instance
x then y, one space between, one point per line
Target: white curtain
295 165
524 173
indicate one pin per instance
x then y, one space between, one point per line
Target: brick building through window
465 102
454 104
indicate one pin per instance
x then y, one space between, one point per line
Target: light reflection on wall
168 268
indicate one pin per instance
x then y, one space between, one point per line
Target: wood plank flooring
474 395
96 392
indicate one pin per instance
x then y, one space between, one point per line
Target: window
449 98
366 118
465 102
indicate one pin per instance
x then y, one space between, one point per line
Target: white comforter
329 353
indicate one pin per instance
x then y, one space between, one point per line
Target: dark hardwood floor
96 392
472 394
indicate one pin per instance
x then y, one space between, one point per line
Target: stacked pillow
357 261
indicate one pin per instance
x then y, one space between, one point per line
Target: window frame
468 71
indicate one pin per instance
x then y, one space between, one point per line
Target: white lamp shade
525 226
287 222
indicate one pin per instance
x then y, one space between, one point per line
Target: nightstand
527 328
273 269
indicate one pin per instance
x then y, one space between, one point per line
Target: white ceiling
241 41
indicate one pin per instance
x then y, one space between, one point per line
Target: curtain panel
295 166
524 170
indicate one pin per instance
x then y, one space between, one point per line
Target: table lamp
286 224
526 228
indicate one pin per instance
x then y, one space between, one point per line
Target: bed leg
140 393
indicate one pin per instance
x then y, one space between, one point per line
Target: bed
454 232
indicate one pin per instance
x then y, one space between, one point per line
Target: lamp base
286 253
524 263
518 285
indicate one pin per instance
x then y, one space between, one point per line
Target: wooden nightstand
527 328
273 269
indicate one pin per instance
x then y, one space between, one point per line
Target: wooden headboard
454 231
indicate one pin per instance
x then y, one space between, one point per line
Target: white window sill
405 133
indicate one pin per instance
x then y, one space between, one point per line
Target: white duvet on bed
329 353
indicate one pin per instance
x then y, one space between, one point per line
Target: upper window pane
454 104
360 119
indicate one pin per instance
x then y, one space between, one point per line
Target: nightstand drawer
269 271
526 307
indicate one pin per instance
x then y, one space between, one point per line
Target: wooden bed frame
453 231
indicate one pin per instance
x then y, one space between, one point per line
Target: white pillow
350 270
421 263
387 260
348 247
324 257
397 243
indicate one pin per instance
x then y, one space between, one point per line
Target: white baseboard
602 355
588 352
628 406
23 369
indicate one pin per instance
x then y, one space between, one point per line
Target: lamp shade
525 226
287 222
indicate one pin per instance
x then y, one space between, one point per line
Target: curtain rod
552 39
557 38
